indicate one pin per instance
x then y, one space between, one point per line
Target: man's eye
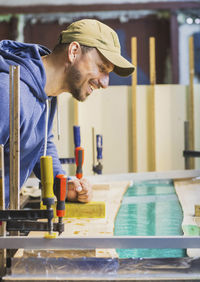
102 69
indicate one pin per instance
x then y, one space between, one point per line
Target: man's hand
79 190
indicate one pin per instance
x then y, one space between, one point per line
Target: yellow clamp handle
47 179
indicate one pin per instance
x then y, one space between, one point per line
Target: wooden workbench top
112 195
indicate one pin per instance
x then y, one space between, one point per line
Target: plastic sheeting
61 266
104 268
150 208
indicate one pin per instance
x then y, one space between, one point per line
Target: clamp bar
120 242
27 226
190 153
7 215
67 160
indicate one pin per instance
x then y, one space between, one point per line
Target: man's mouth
91 88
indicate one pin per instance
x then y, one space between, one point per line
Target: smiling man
76 69
87 52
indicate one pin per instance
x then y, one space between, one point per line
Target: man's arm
4 109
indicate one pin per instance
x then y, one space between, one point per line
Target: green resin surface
150 208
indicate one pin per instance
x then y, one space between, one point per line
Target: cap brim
122 67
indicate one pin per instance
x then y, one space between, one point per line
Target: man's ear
73 51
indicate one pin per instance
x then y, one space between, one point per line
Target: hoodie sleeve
4 113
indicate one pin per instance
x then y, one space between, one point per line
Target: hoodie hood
28 56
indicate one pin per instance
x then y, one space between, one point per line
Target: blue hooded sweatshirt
33 109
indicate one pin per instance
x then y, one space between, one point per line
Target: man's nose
104 80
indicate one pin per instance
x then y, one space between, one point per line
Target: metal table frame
120 242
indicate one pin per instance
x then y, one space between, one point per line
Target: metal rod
125 242
14 137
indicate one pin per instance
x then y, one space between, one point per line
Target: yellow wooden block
83 210
86 210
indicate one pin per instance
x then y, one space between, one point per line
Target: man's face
88 72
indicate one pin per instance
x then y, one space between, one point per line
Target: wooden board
188 192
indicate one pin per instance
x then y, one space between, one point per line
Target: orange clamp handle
60 192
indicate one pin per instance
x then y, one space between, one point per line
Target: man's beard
74 78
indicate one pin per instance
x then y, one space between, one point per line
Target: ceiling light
197 21
189 20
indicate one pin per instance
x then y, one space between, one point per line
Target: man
87 52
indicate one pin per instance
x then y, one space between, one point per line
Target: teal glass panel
150 208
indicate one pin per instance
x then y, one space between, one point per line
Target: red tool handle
79 156
60 192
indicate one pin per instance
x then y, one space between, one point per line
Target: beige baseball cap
93 33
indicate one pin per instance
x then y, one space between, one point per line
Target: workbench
103 264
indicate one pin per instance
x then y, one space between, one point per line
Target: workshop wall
109 112
170 22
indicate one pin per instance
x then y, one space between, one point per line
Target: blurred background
127 144
170 22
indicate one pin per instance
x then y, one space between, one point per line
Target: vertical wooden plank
2 207
134 106
191 100
14 137
2 187
151 108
